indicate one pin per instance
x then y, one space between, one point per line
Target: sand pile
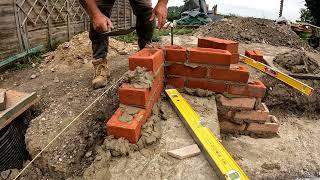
78 51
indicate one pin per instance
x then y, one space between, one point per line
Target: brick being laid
149 58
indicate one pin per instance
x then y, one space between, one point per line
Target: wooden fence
25 24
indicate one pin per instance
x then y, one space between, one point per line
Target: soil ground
65 90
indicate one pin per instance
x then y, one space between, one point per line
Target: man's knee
105 6
142 8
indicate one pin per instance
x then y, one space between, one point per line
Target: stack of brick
141 98
246 116
208 68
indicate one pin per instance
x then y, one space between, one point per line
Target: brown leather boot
100 74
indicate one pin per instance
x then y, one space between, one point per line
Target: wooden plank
17 103
68 21
3 99
17 25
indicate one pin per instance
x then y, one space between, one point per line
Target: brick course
210 56
149 58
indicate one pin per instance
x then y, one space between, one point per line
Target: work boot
100 74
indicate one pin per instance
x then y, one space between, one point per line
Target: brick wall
142 98
211 69
214 66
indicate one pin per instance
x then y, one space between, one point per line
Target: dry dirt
63 81
84 151
252 30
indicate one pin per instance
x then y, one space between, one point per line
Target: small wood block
185 152
16 104
3 99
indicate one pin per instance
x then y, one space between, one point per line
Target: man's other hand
102 23
160 11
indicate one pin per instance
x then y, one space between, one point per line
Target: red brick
183 70
229 127
254 54
253 116
210 56
271 127
237 74
139 97
128 130
176 54
176 82
149 58
226 114
132 130
252 89
237 103
207 85
235 58
133 96
153 100
216 43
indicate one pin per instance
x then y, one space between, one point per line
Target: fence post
68 20
49 27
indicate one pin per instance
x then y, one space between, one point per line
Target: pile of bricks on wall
214 66
142 98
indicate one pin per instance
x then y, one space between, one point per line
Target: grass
132 37
230 15
27 61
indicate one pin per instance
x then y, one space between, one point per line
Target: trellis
45 21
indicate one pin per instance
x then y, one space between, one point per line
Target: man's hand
160 11
102 23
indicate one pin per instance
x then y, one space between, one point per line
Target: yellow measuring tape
216 154
300 86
